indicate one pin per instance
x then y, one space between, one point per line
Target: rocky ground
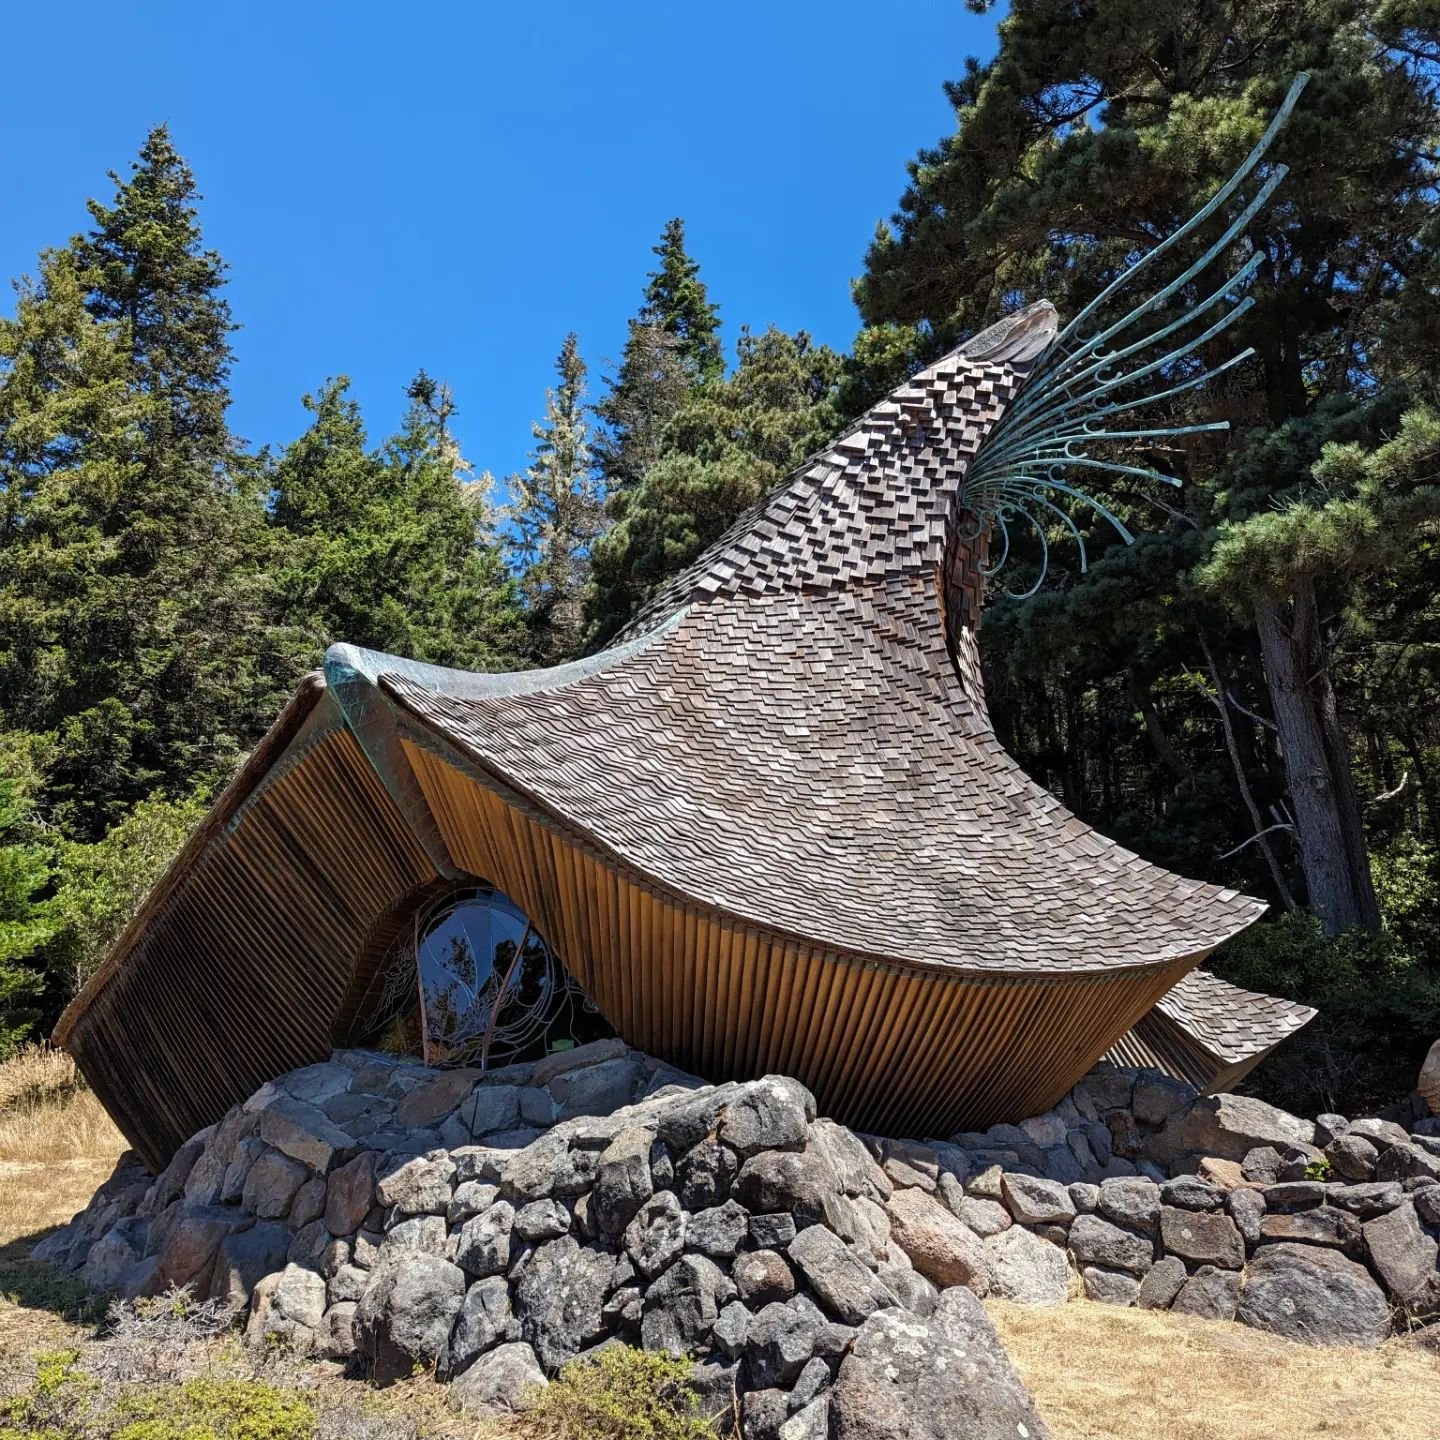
372 1211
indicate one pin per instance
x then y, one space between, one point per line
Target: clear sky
457 185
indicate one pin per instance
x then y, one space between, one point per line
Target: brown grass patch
1101 1373
47 1114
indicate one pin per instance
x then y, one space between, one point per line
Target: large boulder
1404 1254
499 1383
940 1246
1228 1127
1026 1269
1313 1295
404 1317
847 1289
936 1379
560 1296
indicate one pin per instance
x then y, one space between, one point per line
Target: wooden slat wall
888 1050
239 976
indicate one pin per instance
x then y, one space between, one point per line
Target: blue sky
456 186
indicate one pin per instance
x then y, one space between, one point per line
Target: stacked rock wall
494 1228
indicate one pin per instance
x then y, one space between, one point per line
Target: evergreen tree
725 447
557 512
673 347
392 549
1095 131
25 916
134 596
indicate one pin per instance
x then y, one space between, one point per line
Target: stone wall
371 1210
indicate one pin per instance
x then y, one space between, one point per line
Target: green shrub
621 1394
1379 1011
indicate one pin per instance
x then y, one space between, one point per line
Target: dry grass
47 1114
1101 1373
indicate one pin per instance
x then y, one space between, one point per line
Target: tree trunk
1317 764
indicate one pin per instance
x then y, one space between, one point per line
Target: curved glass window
473 982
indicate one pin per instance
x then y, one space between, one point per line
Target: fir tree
391 548
725 447
672 348
556 512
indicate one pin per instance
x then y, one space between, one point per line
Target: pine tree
676 302
556 512
26 918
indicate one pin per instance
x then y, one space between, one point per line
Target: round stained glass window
473 982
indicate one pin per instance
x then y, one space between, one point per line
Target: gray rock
1247 1209
1228 1127
305 1133
1095 1241
1329 1127
1262 1165
912 1379
290 1305
1404 1256
1189 1192
623 1182
718 1231
767 1114
496 1108
1160 1287
1035 1201
119 1250
762 1277
682 1306
336 1337
814 1378
772 1232
245 1259
430 1100
984 1217
1110 1287
1313 1295
1046 1130
484 1320
312 1246
797 1181
656 1235
186 1256
714 1384
1367 1198
347 1283
308 1204
845 1287
541 1220
684 1122
1105 1088
597 1089
704 1175
1026 1269
405 1316
420 1234
1201 1238
731 1327
812 1420
470 1199
908 1163
415 1186
247 1152
1157 1097
1427 1204
1060 1164
499 1383
858 1171
483 1163
1380 1133
271 1185
318 1083
548 1167
1085 1197
780 1342
764 1412
860 1222
1292 1194
1210 1293
985 1182
559 1298
484 1247
834 1340
1352 1157
914 1292
1405 1162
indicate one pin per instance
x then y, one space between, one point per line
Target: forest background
1249 694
